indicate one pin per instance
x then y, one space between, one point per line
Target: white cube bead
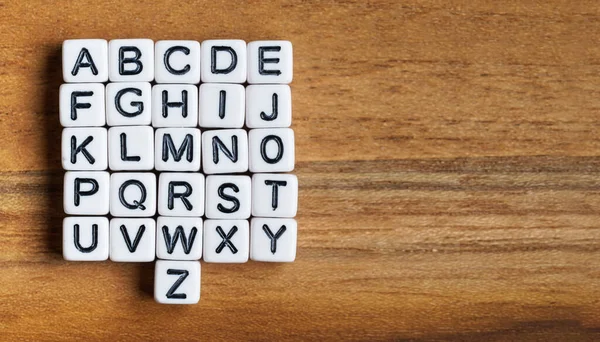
132 239
131 148
177 149
268 106
270 62
84 148
223 61
177 61
86 192
221 105
228 197
274 195
131 60
226 241
128 104
132 194
174 105
82 105
181 194
177 282
85 238
271 150
273 239
85 60
225 151
179 238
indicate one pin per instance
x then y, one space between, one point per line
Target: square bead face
86 193
131 60
268 106
228 197
181 194
270 62
221 105
85 60
273 239
177 61
177 282
128 103
82 105
274 195
225 151
177 149
226 241
132 194
179 238
271 150
84 148
223 61
85 238
131 148
132 239
174 105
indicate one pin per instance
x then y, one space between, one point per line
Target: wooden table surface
448 155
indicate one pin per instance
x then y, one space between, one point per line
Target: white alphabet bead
82 105
179 238
84 148
132 194
174 105
128 104
85 60
268 106
177 149
270 61
273 239
221 105
177 282
132 239
85 238
225 151
131 60
223 61
131 148
181 194
86 192
177 61
228 197
274 195
226 241
271 150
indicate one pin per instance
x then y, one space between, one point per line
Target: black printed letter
263 149
135 59
272 237
94 243
79 193
223 195
84 53
275 194
137 204
138 104
217 145
172 195
81 148
168 66
183 274
213 59
187 146
262 60
166 104
76 105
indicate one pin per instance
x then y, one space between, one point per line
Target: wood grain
449 164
